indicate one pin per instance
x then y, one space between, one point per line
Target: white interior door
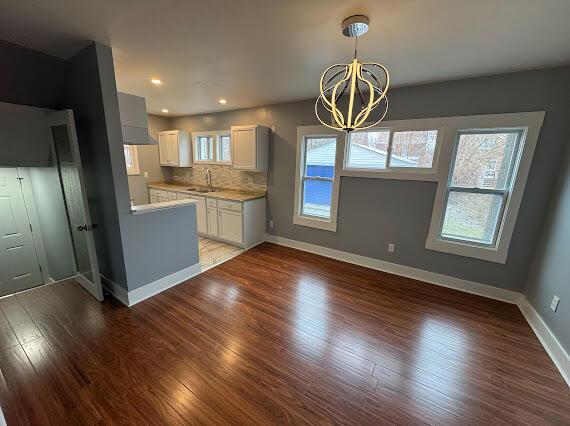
19 265
66 149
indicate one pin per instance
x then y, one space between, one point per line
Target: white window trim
530 122
402 173
135 170
215 135
304 132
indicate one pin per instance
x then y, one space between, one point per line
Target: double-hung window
487 161
316 191
479 185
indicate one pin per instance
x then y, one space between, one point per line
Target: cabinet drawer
158 192
235 206
212 202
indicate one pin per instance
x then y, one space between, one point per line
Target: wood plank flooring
275 335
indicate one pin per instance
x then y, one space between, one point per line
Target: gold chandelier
367 90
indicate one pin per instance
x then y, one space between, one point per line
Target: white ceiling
258 52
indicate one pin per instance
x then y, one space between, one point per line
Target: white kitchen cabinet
250 148
236 222
212 218
174 148
230 226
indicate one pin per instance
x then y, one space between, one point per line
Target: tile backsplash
222 177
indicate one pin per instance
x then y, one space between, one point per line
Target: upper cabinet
250 148
174 148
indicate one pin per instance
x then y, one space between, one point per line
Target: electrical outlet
554 303
250 181
391 247
271 224
146 174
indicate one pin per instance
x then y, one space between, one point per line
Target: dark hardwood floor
275 335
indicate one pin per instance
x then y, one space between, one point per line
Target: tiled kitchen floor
213 252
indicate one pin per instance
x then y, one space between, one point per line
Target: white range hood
134 120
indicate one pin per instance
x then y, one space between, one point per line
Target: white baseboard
115 289
155 287
549 341
404 271
130 298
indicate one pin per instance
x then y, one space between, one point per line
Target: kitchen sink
200 190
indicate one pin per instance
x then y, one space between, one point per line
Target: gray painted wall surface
149 163
24 138
84 96
551 269
50 209
29 77
374 212
156 244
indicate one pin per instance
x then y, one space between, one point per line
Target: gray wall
29 77
138 249
54 227
24 138
149 163
373 212
551 269
84 96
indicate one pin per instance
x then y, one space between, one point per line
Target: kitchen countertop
145 208
224 194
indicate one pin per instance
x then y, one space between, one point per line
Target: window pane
225 148
205 144
320 155
317 197
128 156
368 150
413 149
484 160
471 216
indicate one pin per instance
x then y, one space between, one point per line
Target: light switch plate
554 303
391 247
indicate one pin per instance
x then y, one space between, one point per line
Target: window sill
324 224
429 176
489 254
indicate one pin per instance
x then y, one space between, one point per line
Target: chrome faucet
209 180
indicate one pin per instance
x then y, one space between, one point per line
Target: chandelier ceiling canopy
364 84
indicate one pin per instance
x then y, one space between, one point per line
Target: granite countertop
145 208
224 194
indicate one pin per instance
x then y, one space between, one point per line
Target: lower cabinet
212 221
230 226
235 222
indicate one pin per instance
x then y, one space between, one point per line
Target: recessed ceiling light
164 110
223 101
156 81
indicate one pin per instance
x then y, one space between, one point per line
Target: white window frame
215 135
135 170
530 124
303 133
401 173
218 150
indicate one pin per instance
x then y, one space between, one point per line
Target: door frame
66 118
